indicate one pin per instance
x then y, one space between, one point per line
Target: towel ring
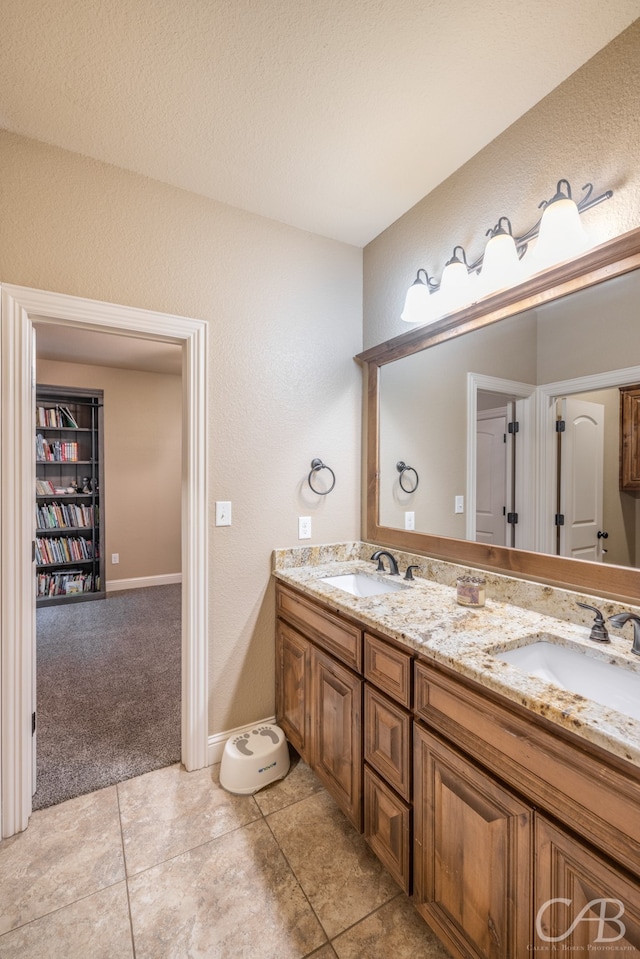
316 466
402 468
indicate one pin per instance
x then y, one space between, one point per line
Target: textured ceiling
335 116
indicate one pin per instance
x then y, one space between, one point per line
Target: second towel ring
402 468
316 466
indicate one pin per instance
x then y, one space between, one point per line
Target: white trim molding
140 582
218 741
523 394
21 307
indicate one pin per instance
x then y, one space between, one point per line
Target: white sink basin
573 669
359 584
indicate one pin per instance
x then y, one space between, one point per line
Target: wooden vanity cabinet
510 811
630 438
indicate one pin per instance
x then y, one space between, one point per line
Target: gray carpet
108 691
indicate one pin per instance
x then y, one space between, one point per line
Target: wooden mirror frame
614 258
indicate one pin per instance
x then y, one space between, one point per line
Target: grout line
126 876
293 873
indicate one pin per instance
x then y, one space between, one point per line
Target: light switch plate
409 520
459 504
223 513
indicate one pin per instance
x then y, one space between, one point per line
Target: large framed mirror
506 417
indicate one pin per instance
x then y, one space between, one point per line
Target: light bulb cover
456 285
561 234
417 305
501 264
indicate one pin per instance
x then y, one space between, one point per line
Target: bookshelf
69 510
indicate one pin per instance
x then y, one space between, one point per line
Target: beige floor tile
299 783
96 927
67 852
166 812
232 898
395 930
336 869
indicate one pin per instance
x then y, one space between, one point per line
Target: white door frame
20 308
547 456
523 394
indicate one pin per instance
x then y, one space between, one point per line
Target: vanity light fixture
505 261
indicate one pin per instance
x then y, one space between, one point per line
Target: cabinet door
387 828
583 905
337 732
387 740
472 855
292 681
630 438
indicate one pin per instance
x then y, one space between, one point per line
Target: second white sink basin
573 669
359 584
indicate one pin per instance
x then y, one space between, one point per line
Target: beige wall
588 129
142 457
284 309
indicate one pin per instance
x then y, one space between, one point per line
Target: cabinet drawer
388 668
387 828
387 740
580 785
342 639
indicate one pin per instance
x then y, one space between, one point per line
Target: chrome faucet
620 619
393 566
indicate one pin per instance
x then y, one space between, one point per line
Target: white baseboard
216 743
138 582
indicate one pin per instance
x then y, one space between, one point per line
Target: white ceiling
67 344
335 116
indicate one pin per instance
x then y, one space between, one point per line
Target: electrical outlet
304 527
115 558
410 520
223 513
459 504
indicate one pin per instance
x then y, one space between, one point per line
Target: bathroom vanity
508 807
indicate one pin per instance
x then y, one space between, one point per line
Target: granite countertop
426 617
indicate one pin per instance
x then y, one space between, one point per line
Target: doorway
108 672
21 308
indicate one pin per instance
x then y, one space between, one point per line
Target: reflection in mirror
446 410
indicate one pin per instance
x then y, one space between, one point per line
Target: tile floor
170 866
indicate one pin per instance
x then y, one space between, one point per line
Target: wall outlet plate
304 527
409 520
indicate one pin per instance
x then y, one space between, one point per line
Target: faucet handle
598 632
409 572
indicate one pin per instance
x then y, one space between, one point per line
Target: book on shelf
56 451
64 516
66 582
59 417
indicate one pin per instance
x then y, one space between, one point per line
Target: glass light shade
417 306
501 267
561 235
456 288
